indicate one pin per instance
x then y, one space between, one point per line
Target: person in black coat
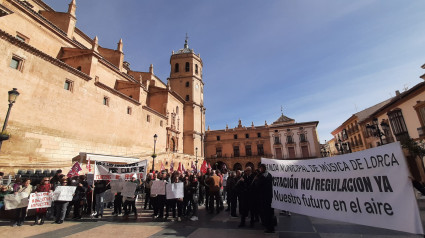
265 186
243 188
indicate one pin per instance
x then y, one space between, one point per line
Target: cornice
190 76
117 93
11 39
154 112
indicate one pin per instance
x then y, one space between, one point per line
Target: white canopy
107 158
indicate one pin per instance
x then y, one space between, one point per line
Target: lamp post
196 159
13 95
374 129
154 155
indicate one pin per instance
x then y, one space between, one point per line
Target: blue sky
321 60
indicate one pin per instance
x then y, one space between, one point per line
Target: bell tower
186 80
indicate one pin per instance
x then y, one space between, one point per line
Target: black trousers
214 196
20 215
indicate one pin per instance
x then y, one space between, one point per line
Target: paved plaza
209 225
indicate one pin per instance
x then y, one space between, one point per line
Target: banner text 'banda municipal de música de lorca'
369 187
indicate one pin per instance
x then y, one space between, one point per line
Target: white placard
64 193
117 186
40 200
369 187
108 196
12 201
90 179
129 189
158 187
175 190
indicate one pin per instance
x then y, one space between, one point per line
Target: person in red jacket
40 213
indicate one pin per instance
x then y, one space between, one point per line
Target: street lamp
13 95
375 131
196 159
154 155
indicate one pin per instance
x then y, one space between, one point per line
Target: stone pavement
209 225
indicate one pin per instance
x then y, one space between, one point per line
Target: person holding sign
174 201
99 193
3 192
21 212
40 213
130 202
61 206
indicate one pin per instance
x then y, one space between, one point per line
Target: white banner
369 187
158 187
64 193
129 189
108 171
174 190
40 200
12 201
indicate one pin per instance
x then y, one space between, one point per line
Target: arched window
196 69
187 84
187 67
187 97
176 68
177 110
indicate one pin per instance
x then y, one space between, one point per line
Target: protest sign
174 190
12 201
369 187
117 185
40 200
108 171
64 193
109 196
158 187
129 189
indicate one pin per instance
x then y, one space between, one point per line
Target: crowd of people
250 191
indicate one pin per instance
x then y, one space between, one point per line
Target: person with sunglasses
61 206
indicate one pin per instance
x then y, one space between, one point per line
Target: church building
78 98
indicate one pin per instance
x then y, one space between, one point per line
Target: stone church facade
79 97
